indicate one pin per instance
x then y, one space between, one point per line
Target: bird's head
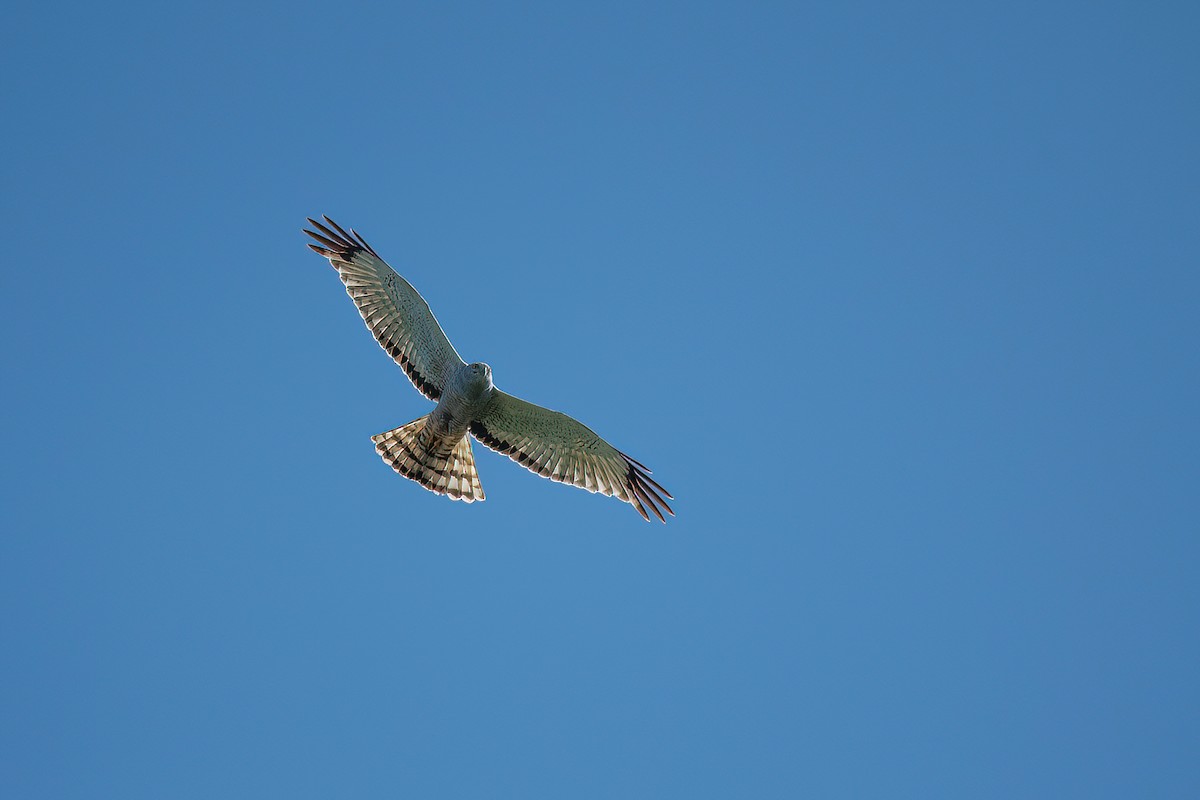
480 375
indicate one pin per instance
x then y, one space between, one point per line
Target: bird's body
435 450
463 400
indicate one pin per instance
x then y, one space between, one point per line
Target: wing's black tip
645 491
337 241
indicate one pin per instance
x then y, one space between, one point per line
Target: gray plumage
435 450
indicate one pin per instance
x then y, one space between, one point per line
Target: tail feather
442 467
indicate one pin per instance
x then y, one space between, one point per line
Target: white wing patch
562 449
395 313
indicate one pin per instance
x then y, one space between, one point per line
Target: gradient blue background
900 302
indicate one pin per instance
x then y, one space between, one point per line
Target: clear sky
899 300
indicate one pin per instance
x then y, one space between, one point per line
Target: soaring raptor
435 450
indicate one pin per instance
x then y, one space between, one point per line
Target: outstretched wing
562 449
398 316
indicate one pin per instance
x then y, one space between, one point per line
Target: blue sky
899 302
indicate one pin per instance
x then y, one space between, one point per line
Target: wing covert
563 449
395 313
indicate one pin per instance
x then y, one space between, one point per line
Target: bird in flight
435 450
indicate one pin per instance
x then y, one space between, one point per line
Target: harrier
435 450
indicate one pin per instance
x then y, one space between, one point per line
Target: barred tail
434 463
